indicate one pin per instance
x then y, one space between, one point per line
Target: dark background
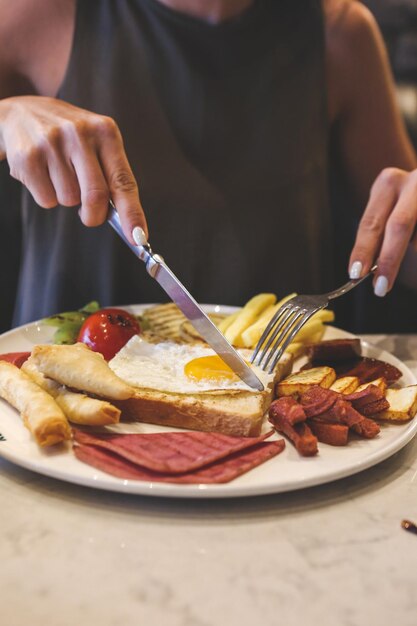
358 312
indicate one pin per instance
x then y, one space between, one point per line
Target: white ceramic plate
288 471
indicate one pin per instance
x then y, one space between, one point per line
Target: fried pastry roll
79 408
78 367
39 411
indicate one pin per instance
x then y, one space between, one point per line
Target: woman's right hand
69 156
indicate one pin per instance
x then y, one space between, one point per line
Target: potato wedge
297 383
402 405
345 384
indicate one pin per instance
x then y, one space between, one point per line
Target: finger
64 180
30 168
383 197
399 230
93 187
121 181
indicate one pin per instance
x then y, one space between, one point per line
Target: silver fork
288 321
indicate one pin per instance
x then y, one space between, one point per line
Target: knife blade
158 269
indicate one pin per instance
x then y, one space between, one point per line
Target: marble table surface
333 555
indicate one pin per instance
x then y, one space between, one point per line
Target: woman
226 109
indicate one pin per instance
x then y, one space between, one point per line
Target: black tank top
225 127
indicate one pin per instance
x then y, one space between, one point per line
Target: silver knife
158 269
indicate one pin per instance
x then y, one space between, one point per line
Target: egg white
161 367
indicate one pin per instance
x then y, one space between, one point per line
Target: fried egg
179 368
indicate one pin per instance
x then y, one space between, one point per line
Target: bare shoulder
35 38
349 22
354 50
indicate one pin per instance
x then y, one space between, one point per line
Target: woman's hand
387 228
69 156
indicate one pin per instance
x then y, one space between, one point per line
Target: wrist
6 106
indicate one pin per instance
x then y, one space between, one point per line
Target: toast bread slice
240 413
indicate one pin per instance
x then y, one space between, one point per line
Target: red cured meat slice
16 358
359 399
332 434
219 472
315 393
373 408
367 428
318 400
289 408
307 442
367 369
335 350
300 434
170 452
342 412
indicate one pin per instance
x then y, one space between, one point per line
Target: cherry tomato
108 330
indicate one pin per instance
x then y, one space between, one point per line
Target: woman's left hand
386 228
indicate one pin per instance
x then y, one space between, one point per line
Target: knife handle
144 253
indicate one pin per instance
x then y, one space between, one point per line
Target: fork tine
284 320
281 336
290 338
274 325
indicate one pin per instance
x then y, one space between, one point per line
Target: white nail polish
355 270
381 286
139 236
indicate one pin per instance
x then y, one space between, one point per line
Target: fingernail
355 270
381 286
139 236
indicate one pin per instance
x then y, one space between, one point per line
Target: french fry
247 316
252 334
296 348
316 337
325 315
310 328
227 321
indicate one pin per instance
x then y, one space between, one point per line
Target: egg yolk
209 368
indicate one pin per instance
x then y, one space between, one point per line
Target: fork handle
350 285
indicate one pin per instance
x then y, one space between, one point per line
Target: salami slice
222 471
16 358
170 452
